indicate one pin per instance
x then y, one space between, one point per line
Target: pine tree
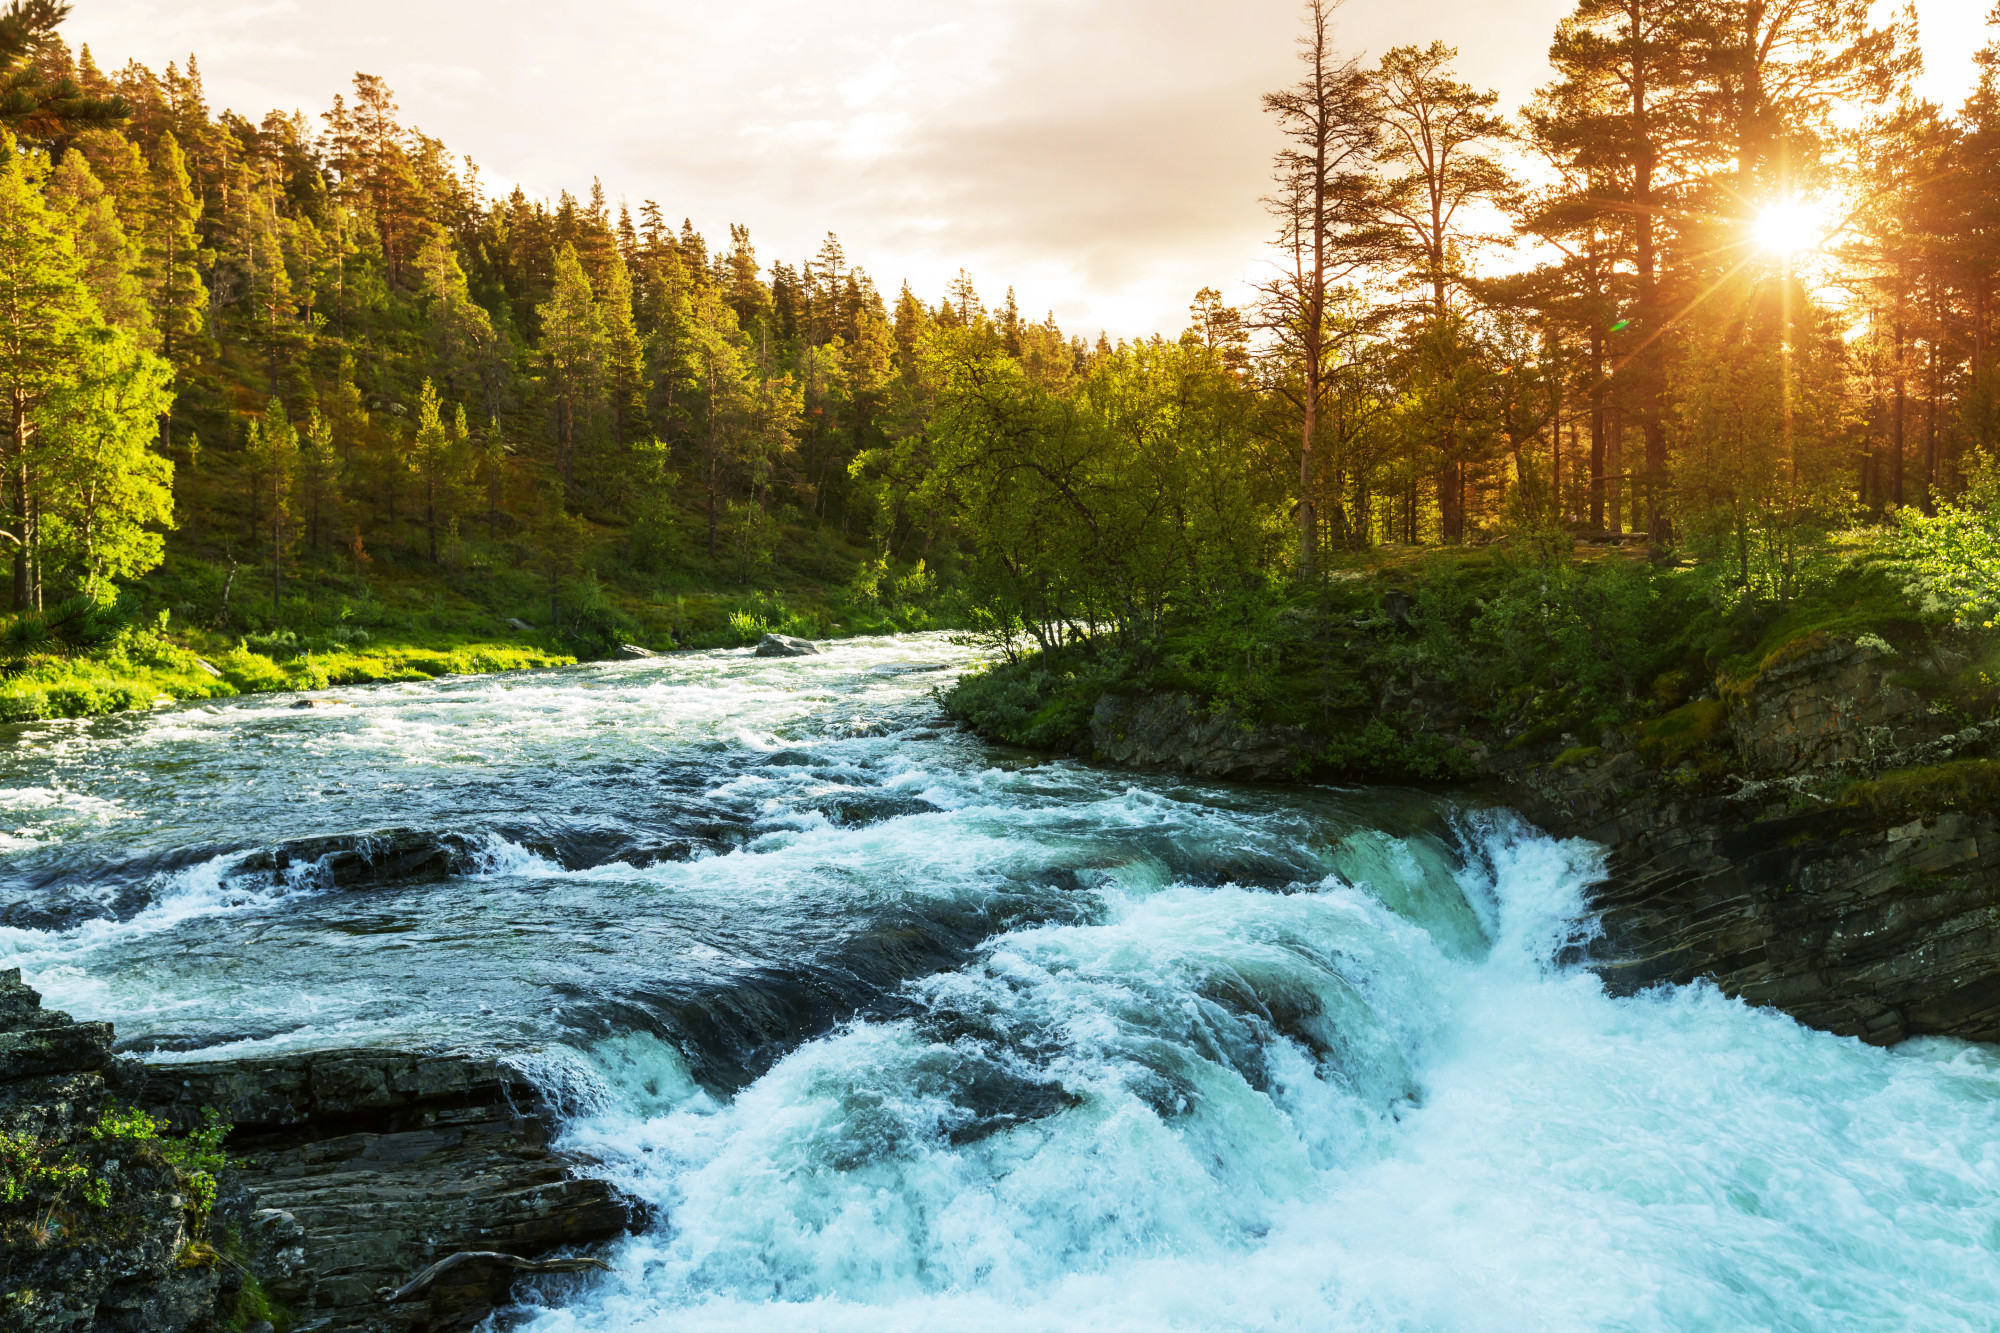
1324 238
46 311
439 455
173 254
272 452
110 258
574 352
625 354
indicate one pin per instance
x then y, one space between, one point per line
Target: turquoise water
900 1031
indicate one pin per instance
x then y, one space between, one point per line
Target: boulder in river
784 645
632 652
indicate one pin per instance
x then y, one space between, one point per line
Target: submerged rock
784 645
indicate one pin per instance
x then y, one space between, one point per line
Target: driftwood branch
418 1285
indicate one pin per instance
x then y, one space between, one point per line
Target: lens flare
1789 228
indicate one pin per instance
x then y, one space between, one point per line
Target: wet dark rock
1880 921
359 1169
784 645
1176 731
69 1266
362 1168
319 703
347 860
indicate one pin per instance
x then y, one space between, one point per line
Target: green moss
1688 732
253 1305
1576 755
1964 784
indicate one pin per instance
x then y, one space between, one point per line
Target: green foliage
586 622
196 1158
45 1175
1041 703
1950 562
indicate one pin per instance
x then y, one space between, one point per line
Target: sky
1104 158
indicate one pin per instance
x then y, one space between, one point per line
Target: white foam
1571 1161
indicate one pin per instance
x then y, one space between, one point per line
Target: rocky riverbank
1819 837
371 1191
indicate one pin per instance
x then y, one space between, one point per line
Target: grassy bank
192 633
1415 666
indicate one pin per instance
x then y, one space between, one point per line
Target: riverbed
896 1030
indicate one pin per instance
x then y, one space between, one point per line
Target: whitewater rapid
896 1031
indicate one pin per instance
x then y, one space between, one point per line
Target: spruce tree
272 451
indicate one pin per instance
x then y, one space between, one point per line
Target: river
900 1031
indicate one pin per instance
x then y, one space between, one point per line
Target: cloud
1104 157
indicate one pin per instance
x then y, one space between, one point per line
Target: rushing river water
903 1032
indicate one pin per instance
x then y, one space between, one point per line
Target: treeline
1724 287
357 355
1725 283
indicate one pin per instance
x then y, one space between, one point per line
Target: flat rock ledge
378 1191
68 1266
361 1169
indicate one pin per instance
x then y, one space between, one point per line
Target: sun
1789 228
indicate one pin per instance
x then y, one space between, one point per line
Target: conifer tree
574 352
625 353
172 252
1325 236
272 452
318 477
46 311
110 258
439 456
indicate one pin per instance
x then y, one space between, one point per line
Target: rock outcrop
1833 850
1830 702
1177 732
1804 878
95 1239
361 1169
1879 924
784 645
374 1191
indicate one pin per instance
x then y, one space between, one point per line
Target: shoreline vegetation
300 398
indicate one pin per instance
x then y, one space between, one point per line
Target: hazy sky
1103 157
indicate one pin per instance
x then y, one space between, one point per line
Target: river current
900 1031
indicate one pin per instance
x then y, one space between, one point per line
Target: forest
1702 332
